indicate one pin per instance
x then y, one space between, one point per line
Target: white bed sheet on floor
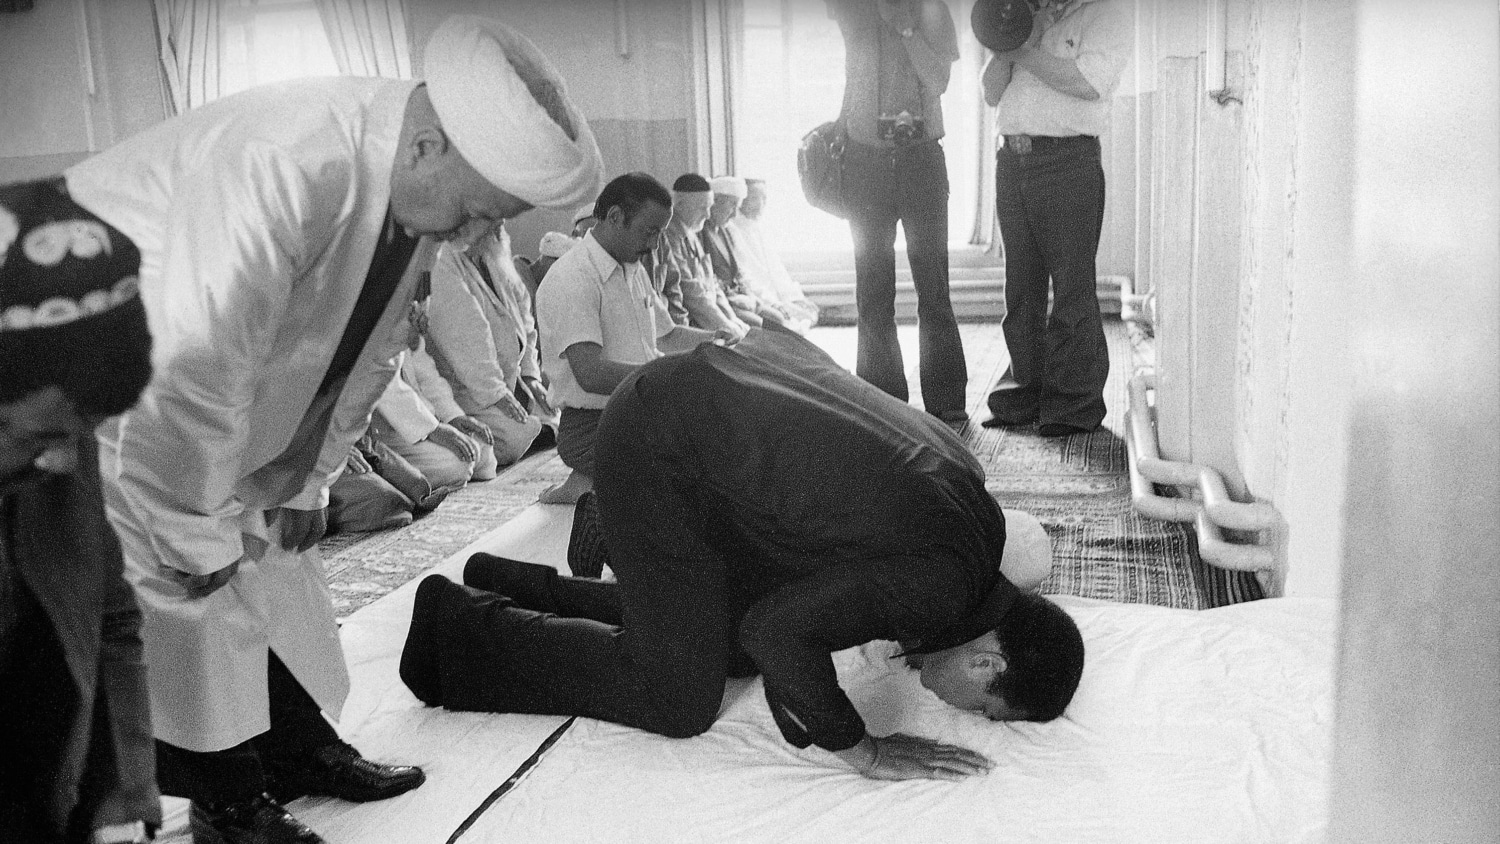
1209 726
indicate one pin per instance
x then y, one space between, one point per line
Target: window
272 41
793 79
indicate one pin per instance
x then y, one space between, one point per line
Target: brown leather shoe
337 770
258 821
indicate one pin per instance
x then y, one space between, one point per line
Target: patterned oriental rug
1077 487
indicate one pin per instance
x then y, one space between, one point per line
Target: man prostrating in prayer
763 508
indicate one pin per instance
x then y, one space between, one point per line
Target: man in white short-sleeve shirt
600 317
1052 97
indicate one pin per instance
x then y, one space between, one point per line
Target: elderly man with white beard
684 273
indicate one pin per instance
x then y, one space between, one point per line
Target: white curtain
368 37
189 42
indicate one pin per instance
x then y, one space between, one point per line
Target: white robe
766 273
256 217
483 338
415 401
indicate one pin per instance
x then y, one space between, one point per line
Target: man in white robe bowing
284 233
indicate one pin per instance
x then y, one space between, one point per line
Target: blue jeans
1050 203
908 185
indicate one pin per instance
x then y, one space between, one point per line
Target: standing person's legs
1017 399
1066 196
302 754
39 705
232 775
297 724
923 190
869 176
238 774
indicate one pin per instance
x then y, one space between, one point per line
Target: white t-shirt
589 297
1099 36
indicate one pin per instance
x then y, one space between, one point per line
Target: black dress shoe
1061 429
1008 422
337 770
258 821
420 668
1013 404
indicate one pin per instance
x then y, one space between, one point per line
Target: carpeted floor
1077 487
364 566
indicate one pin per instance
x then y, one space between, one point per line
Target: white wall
1417 740
61 100
1251 262
1320 291
642 104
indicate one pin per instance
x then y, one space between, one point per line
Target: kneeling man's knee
687 724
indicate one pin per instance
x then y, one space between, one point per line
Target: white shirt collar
603 262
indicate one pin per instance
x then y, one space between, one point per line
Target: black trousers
652 650
239 773
906 185
38 706
1050 203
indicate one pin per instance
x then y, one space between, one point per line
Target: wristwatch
134 832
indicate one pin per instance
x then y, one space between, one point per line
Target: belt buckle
1019 144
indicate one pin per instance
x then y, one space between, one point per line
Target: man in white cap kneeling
283 233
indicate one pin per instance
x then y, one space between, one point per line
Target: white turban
731 185
556 244
477 72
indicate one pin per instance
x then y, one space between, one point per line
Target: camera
902 128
